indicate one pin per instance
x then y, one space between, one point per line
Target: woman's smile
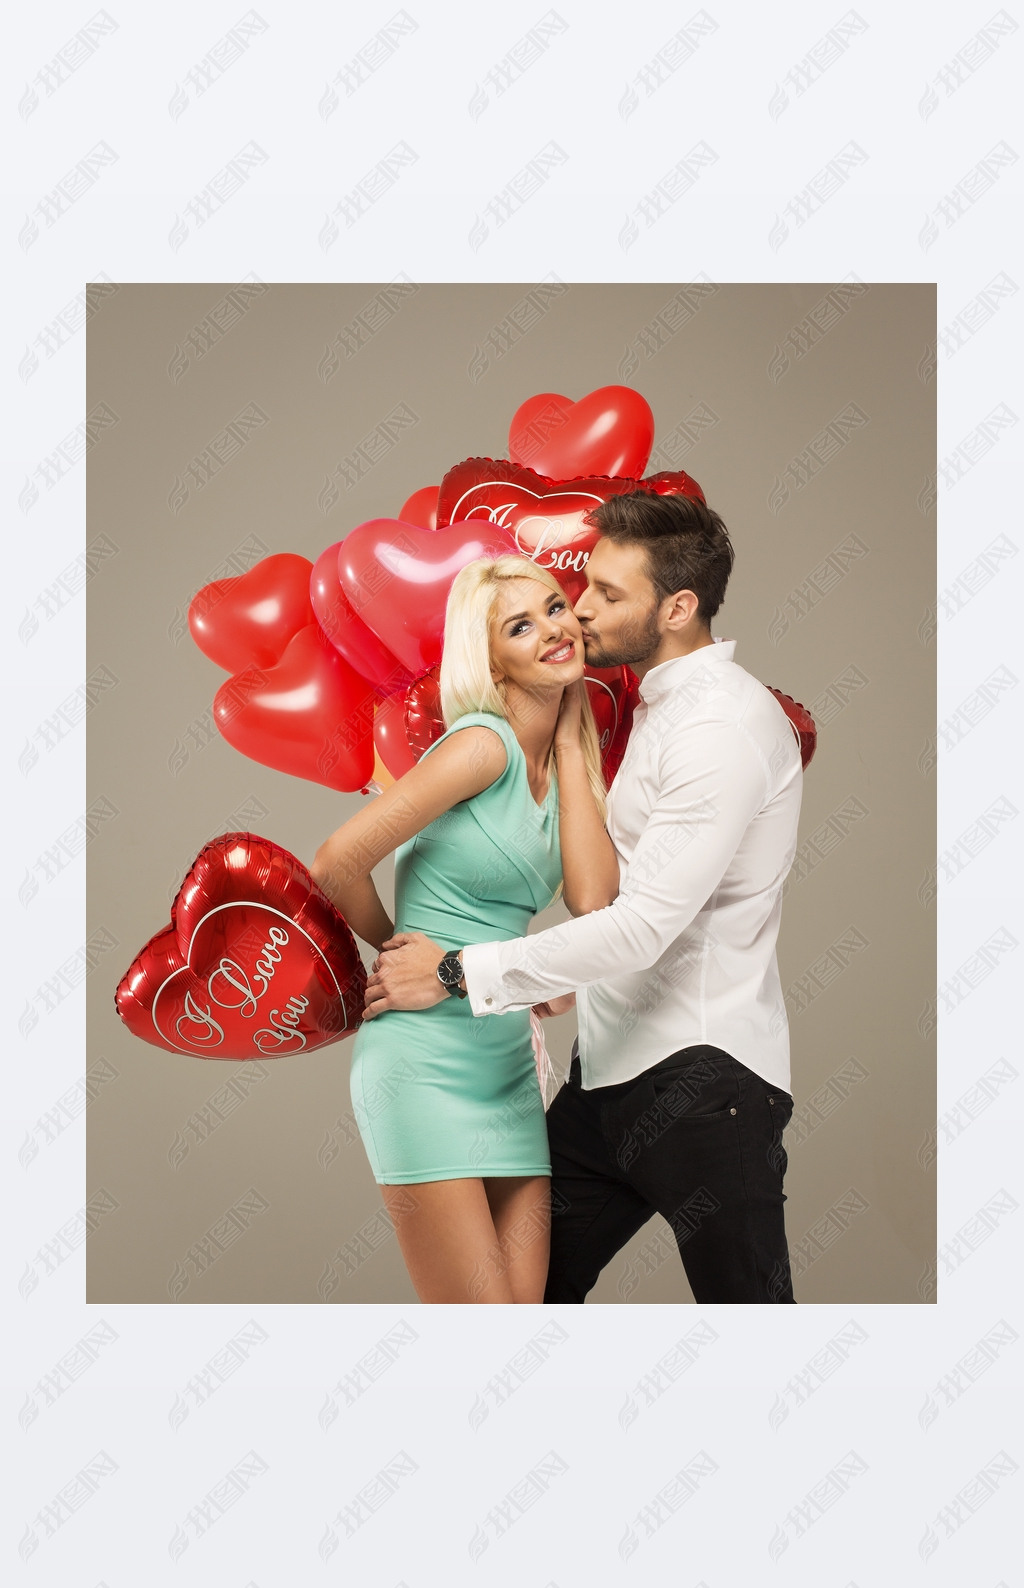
565 653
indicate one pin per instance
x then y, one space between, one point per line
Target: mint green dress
441 1093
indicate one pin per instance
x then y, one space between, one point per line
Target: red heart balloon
311 715
673 482
532 424
545 516
397 578
603 703
608 432
348 633
613 693
248 621
423 721
421 508
256 964
803 724
394 744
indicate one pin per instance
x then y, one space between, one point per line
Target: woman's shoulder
483 719
487 718
480 720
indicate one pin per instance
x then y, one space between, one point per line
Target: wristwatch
450 972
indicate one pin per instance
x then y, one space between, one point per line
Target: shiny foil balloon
248 621
803 724
423 722
256 964
311 715
544 516
613 694
672 482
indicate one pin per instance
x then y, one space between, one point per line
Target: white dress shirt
703 815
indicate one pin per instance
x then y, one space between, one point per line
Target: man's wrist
449 967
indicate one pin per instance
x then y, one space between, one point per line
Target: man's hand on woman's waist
404 975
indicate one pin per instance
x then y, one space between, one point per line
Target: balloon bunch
334 664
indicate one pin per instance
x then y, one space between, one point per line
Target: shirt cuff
482 968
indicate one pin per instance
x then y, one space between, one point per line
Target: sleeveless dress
441 1093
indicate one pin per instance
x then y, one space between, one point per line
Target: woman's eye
553 608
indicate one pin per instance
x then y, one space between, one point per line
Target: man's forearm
559 960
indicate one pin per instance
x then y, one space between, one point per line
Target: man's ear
682 609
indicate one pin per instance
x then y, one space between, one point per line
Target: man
678 1092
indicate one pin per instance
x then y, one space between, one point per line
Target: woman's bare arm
464 765
590 866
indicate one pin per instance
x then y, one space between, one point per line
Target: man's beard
638 643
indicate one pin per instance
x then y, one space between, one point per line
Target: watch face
450 972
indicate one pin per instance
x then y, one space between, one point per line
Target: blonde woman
502 811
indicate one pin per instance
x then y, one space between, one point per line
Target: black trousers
696 1138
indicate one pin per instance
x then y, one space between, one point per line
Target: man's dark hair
687 545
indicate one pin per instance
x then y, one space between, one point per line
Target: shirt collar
658 681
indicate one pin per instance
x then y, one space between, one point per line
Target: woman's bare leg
448 1240
521 1209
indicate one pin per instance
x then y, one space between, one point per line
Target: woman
503 809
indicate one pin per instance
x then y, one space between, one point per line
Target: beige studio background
807 414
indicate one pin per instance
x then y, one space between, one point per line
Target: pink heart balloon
347 632
397 578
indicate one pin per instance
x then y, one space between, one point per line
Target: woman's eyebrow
515 618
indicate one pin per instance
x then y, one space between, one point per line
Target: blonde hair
466 682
